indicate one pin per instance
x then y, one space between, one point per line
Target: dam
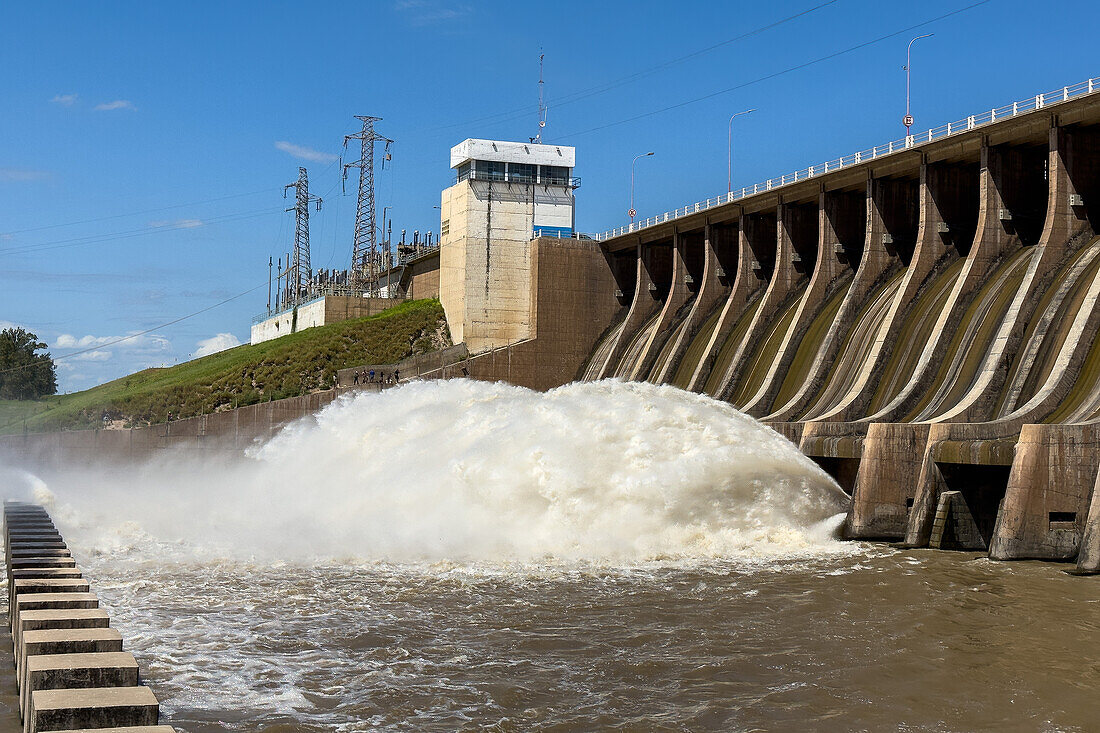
921 322
920 318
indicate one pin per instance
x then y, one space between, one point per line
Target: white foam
471 472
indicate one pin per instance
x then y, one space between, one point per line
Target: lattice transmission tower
300 272
365 265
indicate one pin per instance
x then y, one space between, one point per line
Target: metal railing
1032 104
499 177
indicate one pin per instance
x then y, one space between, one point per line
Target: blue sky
144 146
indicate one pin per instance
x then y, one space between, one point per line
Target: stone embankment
70 669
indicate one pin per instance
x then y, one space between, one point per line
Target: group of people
369 377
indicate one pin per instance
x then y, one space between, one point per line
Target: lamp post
632 212
729 180
908 120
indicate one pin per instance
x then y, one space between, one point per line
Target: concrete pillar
745 289
678 295
774 262
1047 500
885 485
801 226
881 203
713 289
642 307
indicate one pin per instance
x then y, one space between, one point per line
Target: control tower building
504 194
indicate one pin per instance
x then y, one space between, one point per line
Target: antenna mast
301 272
542 107
364 252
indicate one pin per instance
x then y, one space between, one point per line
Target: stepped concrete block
30 586
97 708
42 571
69 671
954 527
20 534
33 543
64 641
54 601
47 572
125 729
42 601
28 551
57 618
41 562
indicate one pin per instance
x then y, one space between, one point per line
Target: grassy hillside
286 367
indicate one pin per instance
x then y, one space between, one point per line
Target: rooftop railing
997 114
498 176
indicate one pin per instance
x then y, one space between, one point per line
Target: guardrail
476 175
1038 102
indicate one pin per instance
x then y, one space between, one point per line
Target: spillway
932 311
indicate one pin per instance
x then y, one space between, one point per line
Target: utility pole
364 251
729 168
269 263
633 212
301 271
908 120
542 106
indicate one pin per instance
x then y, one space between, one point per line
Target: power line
131 233
623 80
138 213
777 73
147 331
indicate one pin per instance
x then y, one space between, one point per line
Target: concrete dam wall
922 324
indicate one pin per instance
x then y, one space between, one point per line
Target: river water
609 556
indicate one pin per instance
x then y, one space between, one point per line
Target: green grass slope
285 367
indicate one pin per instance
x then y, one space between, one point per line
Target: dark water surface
880 640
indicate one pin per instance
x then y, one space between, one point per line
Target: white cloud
145 342
214 344
5 325
97 355
425 12
22 174
65 100
176 223
104 359
300 151
117 104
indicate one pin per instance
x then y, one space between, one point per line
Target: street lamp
729 181
908 120
632 212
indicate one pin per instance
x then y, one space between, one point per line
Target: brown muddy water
879 640
606 556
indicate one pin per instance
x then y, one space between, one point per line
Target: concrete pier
71 672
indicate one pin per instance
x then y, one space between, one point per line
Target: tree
25 374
